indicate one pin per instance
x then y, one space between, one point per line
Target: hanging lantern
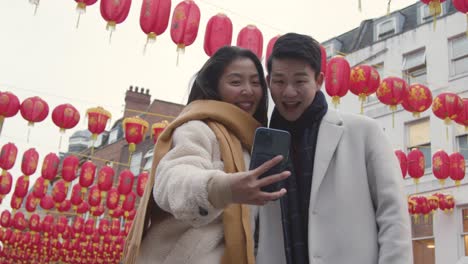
433 202
65 206
62 224
87 174
403 162
6 182
50 167
81 8
47 226
35 223
184 25
424 207
5 219
447 106
251 38
31 203
441 166
70 169
97 121
34 110
115 229
47 202
76 198
270 46
364 81
112 200
218 33
94 197
39 189
105 180
462 6
157 129
19 223
83 208
135 130
99 211
29 162
416 164
337 79
457 167
449 203
141 183
154 18
323 57
89 228
9 106
103 228
125 183
114 12
462 117
391 92
8 157
131 215
129 203
417 100
78 226
65 116
59 192
117 213
435 8
21 187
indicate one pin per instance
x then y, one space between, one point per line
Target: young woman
193 210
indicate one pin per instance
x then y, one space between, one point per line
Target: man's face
293 86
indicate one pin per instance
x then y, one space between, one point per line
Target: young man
344 201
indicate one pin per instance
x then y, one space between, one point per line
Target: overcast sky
45 55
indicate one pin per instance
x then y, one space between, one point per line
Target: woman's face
239 85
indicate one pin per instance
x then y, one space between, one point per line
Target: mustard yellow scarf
233 128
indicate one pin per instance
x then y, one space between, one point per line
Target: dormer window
425 14
386 28
332 47
330 51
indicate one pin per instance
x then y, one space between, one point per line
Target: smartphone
269 143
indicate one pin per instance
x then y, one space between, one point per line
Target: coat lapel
328 138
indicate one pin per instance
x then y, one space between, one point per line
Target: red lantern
457 167
64 206
78 226
127 227
5 219
114 12
103 227
462 117
218 33
441 166
59 192
154 17
449 203
35 223
135 130
94 197
270 46
125 183
105 180
184 24
47 225
364 81
65 116
433 202
403 162
50 167
70 169
8 157
131 215
251 38
417 100
81 8
5 185
31 203
425 209
34 110
118 212
39 189
89 228
141 183
61 225
47 202
337 79
83 208
112 200
462 6
21 187
99 211
76 199
435 9
19 223
9 106
129 203
157 129
416 164
447 106
87 173
391 91
115 228
29 162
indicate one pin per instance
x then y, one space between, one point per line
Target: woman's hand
245 186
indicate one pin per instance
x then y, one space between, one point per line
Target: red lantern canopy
129 203
83 208
21 187
364 81
35 223
337 79
157 129
65 116
417 100
462 6
270 46
114 12
457 167
218 33
441 165
5 185
31 203
59 192
5 219
251 38
94 197
447 106
184 25
125 183
76 199
47 202
462 117
435 9
70 169
29 162
403 162
81 8
135 130
154 17
141 183
416 164
50 167
112 200
87 173
8 157
105 179
9 106
39 189
34 110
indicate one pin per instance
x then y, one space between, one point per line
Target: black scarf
295 204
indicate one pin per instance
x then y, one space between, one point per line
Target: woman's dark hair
206 83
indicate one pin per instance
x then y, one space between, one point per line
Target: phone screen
269 143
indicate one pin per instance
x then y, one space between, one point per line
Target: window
419 137
423 240
425 13
464 233
414 67
330 51
113 136
386 28
148 160
458 53
136 163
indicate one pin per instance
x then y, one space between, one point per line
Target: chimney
136 101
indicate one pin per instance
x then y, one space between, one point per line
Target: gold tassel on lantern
435 10
336 101
362 99
151 38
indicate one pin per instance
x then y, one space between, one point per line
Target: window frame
383 35
452 59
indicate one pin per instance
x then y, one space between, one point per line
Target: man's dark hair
297 46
